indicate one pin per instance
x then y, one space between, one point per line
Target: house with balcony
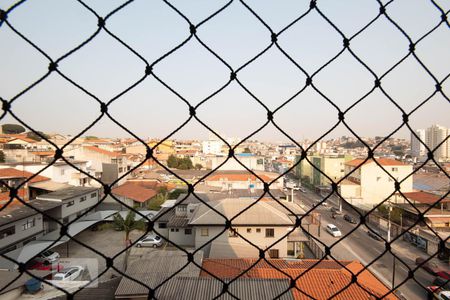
105 165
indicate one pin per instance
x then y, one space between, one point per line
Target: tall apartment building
417 148
434 135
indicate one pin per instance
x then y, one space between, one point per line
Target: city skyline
106 68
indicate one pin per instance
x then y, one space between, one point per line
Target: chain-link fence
148 73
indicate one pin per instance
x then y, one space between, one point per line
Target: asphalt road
360 246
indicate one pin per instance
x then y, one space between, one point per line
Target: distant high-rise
434 136
417 148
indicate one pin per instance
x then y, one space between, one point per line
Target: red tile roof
425 198
134 192
103 151
382 161
237 177
14 173
320 282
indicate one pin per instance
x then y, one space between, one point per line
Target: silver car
150 241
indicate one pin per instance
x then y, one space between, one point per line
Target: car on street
350 219
441 282
333 230
69 273
48 256
150 241
429 266
375 235
443 274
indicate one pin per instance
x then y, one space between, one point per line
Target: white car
70 273
333 230
150 241
48 257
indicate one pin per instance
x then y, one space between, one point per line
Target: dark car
350 219
428 266
375 235
442 282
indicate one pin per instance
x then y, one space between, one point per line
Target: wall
180 238
258 239
21 234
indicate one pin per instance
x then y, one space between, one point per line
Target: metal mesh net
149 72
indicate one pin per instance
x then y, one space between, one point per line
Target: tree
247 150
128 224
36 137
172 161
156 202
12 129
2 157
198 166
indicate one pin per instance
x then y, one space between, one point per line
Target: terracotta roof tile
134 192
103 151
14 173
321 282
237 177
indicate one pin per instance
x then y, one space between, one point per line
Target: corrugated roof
425 198
178 222
154 269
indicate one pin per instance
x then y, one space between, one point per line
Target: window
389 179
70 203
172 230
273 253
62 171
192 210
270 232
93 195
162 225
378 178
83 199
7 232
204 232
394 169
249 230
232 232
120 170
188 231
258 230
176 230
28 224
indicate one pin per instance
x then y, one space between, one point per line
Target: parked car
429 266
150 241
333 230
70 273
43 266
441 282
375 235
302 189
350 219
48 256
443 274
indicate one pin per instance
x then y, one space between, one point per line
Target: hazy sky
106 68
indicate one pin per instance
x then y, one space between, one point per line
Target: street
360 246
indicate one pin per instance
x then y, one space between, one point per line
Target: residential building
368 184
213 146
21 224
105 165
132 194
435 135
264 223
418 149
249 160
241 180
74 201
59 171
